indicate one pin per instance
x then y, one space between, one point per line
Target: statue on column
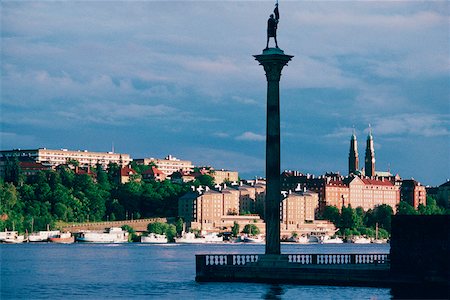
272 25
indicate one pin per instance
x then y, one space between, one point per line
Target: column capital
273 60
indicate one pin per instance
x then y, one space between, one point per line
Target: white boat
11 237
63 238
42 236
328 240
189 238
154 238
361 240
379 241
113 235
213 238
253 239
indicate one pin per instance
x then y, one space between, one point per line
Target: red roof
127 171
31 165
153 171
368 181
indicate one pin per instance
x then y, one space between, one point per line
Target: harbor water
143 271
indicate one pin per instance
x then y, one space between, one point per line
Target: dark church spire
353 159
370 155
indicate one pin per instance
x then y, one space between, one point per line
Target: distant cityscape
234 200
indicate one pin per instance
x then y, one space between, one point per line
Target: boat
42 236
213 238
328 240
154 238
379 241
189 238
360 240
113 235
11 237
253 239
62 238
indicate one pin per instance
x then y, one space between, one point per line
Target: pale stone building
298 208
220 176
53 158
168 165
368 193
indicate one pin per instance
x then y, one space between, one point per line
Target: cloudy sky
178 77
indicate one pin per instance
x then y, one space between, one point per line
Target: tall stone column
273 60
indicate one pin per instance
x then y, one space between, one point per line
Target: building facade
220 176
53 158
168 165
413 193
298 208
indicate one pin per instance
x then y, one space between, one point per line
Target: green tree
331 213
251 229
206 180
404 208
235 229
431 209
12 171
157 227
383 215
171 232
348 218
179 225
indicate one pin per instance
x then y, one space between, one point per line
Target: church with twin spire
369 160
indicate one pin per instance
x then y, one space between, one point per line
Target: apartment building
413 193
220 176
168 165
53 158
298 208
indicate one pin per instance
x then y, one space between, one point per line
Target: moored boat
154 238
11 237
113 235
328 240
253 239
42 236
63 238
213 238
361 240
189 238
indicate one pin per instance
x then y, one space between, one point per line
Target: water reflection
275 291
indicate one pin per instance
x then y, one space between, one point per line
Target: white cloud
250 136
415 124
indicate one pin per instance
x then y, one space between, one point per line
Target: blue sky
178 77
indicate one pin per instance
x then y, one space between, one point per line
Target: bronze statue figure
272 25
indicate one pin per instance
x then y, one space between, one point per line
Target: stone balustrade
298 259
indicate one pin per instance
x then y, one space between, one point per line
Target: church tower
353 159
370 156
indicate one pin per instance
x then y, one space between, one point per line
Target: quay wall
420 245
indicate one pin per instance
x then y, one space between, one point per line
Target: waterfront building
298 208
53 158
168 165
413 193
368 193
